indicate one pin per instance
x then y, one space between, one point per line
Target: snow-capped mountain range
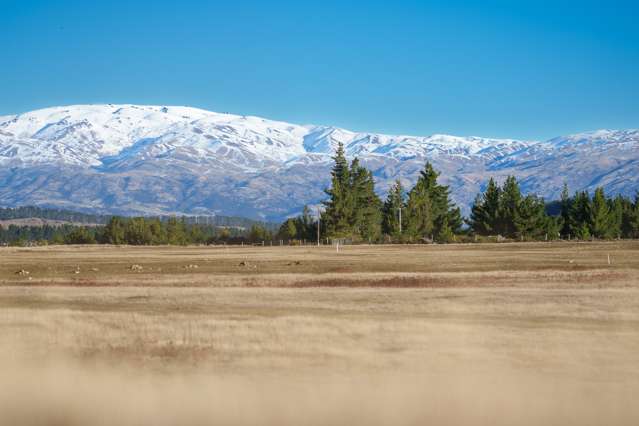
130 159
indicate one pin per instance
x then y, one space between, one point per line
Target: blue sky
522 69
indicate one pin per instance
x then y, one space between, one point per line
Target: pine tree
420 208
357 197
353 207
454 219
580 215
484 216
531 219
492 202
509 207
391 211
600 218
80 235
370 228
633 219
617 208
445 233
338 208
552 227
477 220
428 208
288 230
583 233
565 211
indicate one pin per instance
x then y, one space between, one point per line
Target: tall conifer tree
338 208
428 208
600 218
484 216
509 207
391 210
530 221
633 219
580 215
565 210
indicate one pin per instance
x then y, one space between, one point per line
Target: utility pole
318 226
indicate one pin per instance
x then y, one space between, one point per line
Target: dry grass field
458 334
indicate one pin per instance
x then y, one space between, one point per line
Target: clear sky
522 69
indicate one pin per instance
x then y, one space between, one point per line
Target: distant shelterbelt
68 216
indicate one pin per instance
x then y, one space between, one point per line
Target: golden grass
500 334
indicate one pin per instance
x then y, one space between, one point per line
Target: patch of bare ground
597 278
549 279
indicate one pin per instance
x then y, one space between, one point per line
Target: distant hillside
71 217
38 222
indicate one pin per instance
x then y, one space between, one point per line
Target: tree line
425 213
505 211
354 211
23 235
134 231
27 212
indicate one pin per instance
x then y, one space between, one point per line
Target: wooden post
319 216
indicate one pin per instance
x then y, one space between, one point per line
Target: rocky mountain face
129 159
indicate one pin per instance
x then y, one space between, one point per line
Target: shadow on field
462 280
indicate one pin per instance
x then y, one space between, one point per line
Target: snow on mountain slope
155 159
86 134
